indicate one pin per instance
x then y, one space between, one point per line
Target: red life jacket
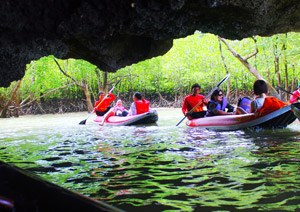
190 102
105 103
271 104
142 106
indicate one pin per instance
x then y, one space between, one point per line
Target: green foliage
195 58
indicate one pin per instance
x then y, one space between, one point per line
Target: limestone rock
114 33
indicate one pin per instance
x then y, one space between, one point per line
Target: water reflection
163 167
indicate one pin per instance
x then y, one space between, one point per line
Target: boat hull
296 109
277 119
150 117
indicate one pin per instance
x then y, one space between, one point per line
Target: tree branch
47 93
67 75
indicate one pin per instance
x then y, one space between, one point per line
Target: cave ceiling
115 33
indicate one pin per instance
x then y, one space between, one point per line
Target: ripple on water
162 167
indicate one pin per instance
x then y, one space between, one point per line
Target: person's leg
196 115
106 116
98 113
239 111
124 113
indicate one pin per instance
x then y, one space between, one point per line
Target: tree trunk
293 79
104 85
4 110
252 70
86 91
276 63
286 68
226 69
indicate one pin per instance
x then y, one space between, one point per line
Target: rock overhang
113 34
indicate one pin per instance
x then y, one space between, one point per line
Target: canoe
278 119
23 191
296 109
150 117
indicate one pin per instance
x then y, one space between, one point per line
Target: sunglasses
220 94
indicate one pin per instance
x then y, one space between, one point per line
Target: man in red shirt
104 105
191 101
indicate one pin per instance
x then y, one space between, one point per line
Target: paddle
286 91
84 121
210 93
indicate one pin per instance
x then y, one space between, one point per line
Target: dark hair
138 95
215 93
196 85
260 87
101 92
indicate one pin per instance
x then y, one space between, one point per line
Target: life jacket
103 106
219 107
142 106
293 97
270 105
105 103
190 102
245 103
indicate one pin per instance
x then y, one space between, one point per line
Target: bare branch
67 75
47 93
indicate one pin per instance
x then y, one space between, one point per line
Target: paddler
102 106
191 101
218 104
139 105
263 102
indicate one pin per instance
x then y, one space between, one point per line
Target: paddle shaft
210 93
83 122
287 91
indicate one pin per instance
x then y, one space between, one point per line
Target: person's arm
211 107
252 107
184 106
221 112
132 110
230 107
112 97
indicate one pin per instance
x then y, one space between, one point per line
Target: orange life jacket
142 106
271 104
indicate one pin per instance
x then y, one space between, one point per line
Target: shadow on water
164 167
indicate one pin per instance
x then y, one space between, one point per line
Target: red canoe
150 117
277 119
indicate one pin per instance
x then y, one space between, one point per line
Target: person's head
119 102
195 89
260 87
217 95
137 95
101 95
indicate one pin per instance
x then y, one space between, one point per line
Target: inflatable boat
278 119
150 117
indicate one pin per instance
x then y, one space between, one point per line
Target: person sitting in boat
245 103
262 102
139 105
296 96
191 101
119 109
102 106
218 104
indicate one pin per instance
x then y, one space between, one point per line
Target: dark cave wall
112 34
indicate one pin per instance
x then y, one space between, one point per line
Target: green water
159 168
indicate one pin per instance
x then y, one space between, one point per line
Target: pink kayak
150 117
277 119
